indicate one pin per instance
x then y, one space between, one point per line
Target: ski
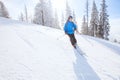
82 54
79 51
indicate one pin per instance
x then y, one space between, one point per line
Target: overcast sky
15 7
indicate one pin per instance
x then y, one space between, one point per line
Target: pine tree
21 18
56 21
43 13
94 22
38 16
62 20
68 10
49 14
26 14
84 26
104 21
87 15
74 17
3 11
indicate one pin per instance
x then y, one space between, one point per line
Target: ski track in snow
26 53
107 70
110 46
82 68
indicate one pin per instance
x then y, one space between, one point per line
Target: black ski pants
72 39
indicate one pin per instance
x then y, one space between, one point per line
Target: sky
15 7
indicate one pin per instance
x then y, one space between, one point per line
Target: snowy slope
34 52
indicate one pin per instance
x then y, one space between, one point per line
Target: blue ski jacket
69 27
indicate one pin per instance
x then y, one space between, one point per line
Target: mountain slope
34 52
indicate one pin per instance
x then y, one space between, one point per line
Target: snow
34 52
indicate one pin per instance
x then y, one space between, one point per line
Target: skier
69 28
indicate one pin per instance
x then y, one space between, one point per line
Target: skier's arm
76 29
65 29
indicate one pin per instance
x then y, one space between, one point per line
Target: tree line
44 15
99 22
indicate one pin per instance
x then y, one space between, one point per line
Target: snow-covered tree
104 26
30 18
68 10
94 22
26 14
21 18
49 15
56 21
62 19
84 26
39 13
43 13
74 17
87 15
3 11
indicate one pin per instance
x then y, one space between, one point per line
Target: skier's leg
74 39
71 39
